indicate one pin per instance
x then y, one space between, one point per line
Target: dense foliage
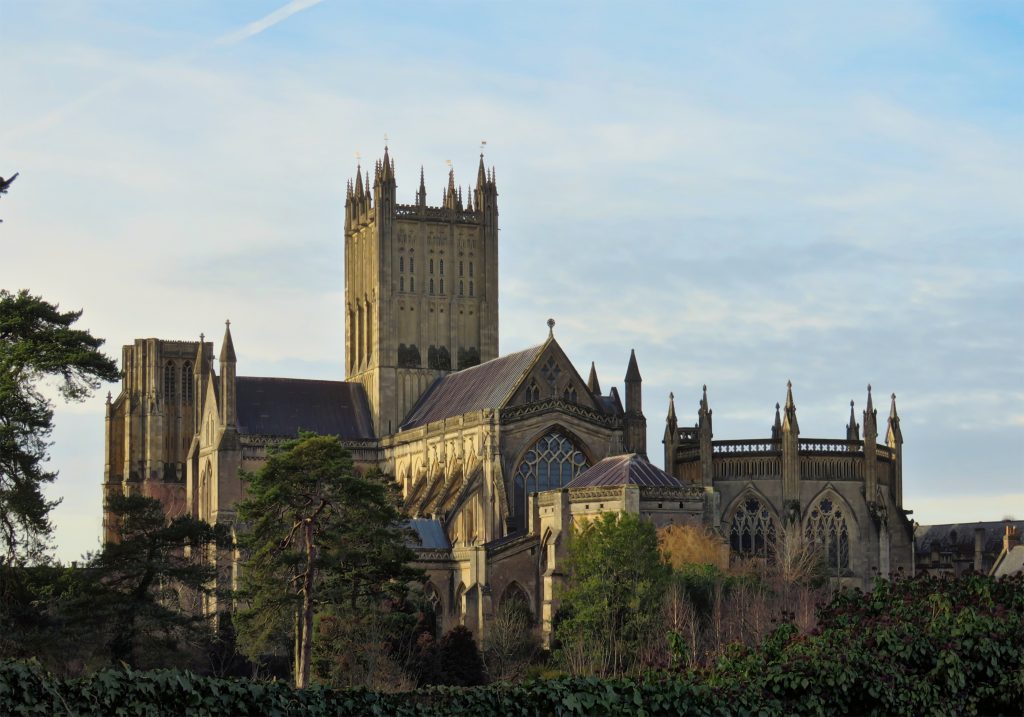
616 583
37 342
129 604
319 539
921 646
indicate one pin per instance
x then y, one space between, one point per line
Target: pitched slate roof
628 469
282 406
472 389
431 534
959 537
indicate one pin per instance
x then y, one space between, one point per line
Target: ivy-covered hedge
922 646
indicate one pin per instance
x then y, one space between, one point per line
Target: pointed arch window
550 463
532 392
442 286
431 286
431 266
752 531
412 264
187 385
828 532
460 267
401 263
569 394
462 287
412 284
401 283
441 266
169 387
470 270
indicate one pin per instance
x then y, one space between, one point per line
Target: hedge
921 646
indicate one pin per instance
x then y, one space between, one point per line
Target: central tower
421 286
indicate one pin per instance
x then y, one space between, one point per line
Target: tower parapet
421 286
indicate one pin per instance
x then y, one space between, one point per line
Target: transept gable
552 377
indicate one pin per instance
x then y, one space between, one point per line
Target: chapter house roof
628 469
486 386
283 406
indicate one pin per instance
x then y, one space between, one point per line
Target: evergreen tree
37 341
316 534
147 587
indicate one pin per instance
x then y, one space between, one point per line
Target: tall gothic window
569 394
471 287
462 287
532 392
401 263
187 385
827 531
441 269
442 286
412 264
752 533
460 267
401 283
169 388
412 282
431 266
550 463
471 270
431 286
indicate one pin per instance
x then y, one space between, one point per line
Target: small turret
894 439
421 194
635 423
777 426
790 432
852 428
592 382
705 434
671 439
201 377
870 449
227 378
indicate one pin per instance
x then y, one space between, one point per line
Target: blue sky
745 193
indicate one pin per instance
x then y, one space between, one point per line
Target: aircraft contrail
58 115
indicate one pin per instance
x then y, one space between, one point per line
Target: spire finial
593 385
202 337
109 397
551 328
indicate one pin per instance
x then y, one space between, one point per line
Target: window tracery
187 386
551 462
569 394
827 530
169 388
752 532
551 371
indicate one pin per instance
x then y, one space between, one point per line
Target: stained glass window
753 531
826 530
550 463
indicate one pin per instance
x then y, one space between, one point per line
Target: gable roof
430 533
283 406
485 386
628 469
959 537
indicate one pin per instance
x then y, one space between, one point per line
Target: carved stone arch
543 558
432 596
829 490
752 526
565 431
513 592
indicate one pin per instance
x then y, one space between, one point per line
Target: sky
743 192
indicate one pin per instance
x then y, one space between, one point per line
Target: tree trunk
306 645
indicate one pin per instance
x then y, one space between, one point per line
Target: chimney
979 542
1010 538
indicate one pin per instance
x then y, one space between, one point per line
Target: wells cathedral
496 455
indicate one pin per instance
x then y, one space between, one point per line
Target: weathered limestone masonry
496 456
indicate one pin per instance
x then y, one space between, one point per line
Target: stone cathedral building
496 455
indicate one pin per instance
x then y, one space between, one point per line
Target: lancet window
470 288
550 463
752 532
187 386
827 531
169 387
